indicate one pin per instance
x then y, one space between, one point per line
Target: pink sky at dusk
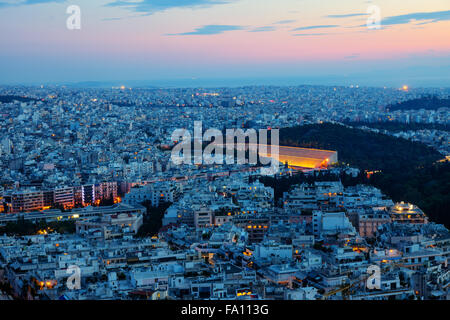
200 38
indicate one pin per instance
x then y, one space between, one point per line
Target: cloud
315 27
17 3
353 56
152 6
285 21
420 18
264 29
424 17
349 15
209 30
311 34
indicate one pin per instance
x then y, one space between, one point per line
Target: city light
211 150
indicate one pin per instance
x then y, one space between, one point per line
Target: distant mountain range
111 84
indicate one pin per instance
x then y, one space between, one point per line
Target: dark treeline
152 219
23 227
363 149
9 99
427 102
395 126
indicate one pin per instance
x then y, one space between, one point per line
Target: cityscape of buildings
100 160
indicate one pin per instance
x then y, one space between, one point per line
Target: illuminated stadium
297 158
303 158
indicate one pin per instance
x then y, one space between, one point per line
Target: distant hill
363 149
428 102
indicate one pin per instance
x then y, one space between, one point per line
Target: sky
229 42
